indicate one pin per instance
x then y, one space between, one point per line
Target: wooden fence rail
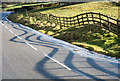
109 23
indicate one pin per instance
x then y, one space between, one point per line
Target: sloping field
107 8
92 37
14 6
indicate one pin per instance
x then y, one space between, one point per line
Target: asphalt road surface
27 55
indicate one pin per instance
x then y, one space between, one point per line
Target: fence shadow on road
102 69
68 61
40 66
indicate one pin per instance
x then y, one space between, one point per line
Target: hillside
107 8
92 37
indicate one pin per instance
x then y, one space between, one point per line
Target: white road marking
20 37
78 72
11 31
49 56
5 26
41 51
31 45
58 62
93 56
2 24
69 68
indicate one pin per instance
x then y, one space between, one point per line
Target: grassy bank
92 37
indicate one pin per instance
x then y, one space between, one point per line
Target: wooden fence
108 23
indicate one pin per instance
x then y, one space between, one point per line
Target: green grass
11 5
92 37
107 8
14 6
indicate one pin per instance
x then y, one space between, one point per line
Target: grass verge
92 37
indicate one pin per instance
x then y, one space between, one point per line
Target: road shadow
32 35
102 69
40 66
68 61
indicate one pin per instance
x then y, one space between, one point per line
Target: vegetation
16 6
107 8
92 37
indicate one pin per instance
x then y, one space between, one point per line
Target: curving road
27 54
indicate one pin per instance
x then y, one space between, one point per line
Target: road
29 55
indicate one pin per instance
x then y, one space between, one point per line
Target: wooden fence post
64 21
87 17
78 21
67 21
60 21
118 26
108 23
100 19
70 21
74 21
82 20
93 18
108 20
